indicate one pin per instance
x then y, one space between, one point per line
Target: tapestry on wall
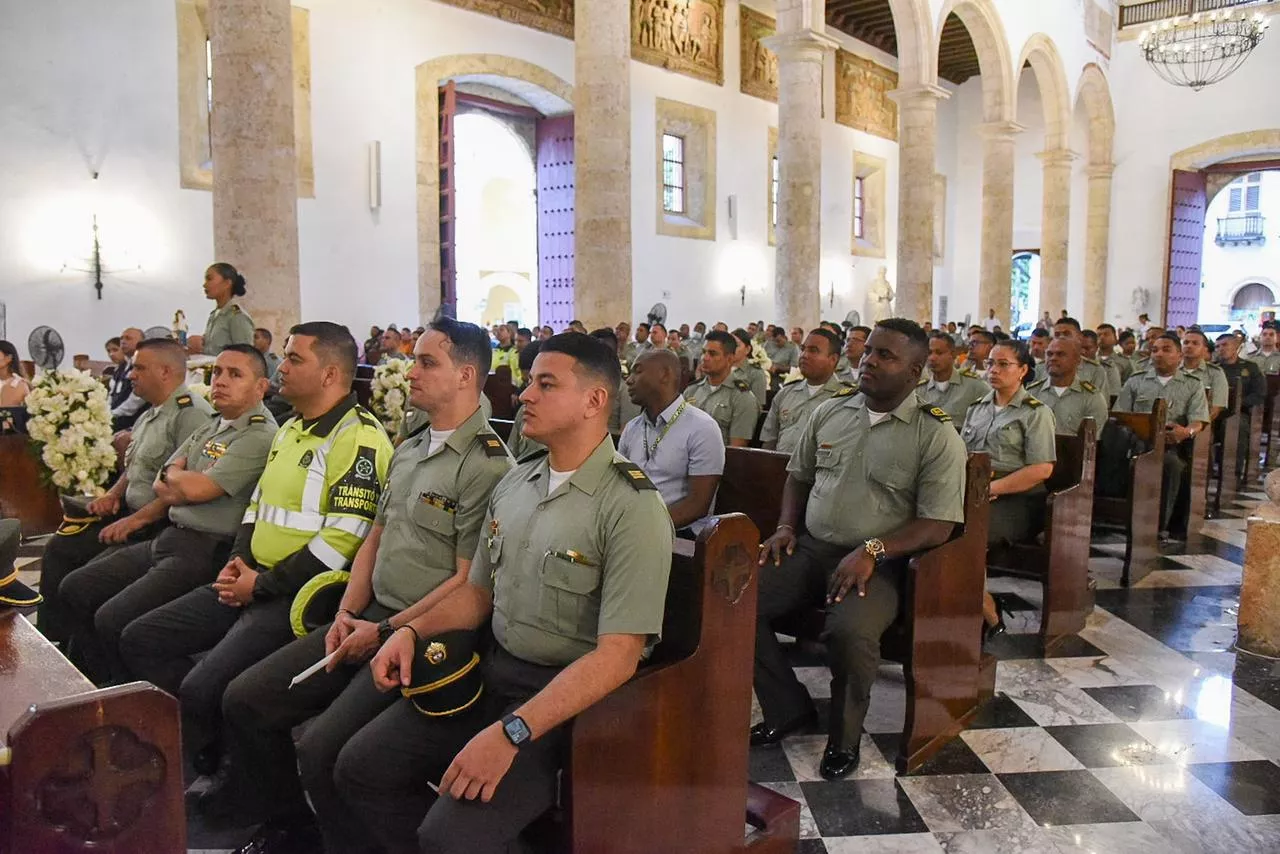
759 64
862 96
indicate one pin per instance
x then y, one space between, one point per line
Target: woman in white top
13 387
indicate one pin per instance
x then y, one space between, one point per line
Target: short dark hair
642 325
594 357
232 275
168 349
255 358
1025 358
1127 335
525 331
1040 332
608 336
112 342
1069 321
527 355
1271 324
724 339
866 330
265 333
470 344
743 336
334 344
1102 326
983 334
945 338
916 337
654 326
1196 330
1170 336
1089 334
833 340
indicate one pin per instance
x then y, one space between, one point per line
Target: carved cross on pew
103 784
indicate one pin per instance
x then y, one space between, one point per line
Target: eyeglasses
1002 364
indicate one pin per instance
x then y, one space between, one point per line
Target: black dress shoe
763 735
990 632
838 764
284 839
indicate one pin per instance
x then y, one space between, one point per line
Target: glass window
773 192
1246 194
673 182
859 221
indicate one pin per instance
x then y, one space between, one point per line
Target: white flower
390 389
70 423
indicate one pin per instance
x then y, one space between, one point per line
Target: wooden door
1186 244
555 222
448 203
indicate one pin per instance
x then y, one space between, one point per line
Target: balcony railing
1241 229
1159 10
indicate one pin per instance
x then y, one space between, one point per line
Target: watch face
517 731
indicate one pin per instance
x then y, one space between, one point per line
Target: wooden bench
1198 475
1138 512
1270 430
1251 457
938 635
660 764
1226 450
501 392
83 770
23 493
1061 562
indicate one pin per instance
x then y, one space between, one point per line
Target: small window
859 224
673 182
1246 194
208 100
773 192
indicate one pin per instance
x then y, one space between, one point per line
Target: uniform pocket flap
568 575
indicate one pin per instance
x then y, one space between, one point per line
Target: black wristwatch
516 729
385 630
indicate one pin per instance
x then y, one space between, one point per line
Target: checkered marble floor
1145 733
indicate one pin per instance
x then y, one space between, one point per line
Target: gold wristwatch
875 548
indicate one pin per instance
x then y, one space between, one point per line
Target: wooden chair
83 770
1138 513
938 635
1251 456
1061 562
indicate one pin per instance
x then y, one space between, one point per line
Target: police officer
415 419
624 409
313 506
901 464
1253 387
723 396
206 485
795 401
129 512
745 369
426 532
785 355
1108 354
855 343
573 568
1187 415
949 388
1091 372
1016 430
1069 398
1089 346
1267 356
1196 353
228 322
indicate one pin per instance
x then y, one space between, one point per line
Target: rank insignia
436 652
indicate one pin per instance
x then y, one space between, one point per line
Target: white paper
313 669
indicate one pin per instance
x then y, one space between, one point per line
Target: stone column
801 55
602 162
255 168
994 278
917 166
1055 230
1097 242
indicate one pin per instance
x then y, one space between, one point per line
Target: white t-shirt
437 439
1060 390
225 423
991 323
811 390
942 386
555 478
1163 380
876 417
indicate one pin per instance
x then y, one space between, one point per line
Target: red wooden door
555 222
1186 243
448 203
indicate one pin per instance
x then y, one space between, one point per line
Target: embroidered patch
939 413
184 401
633 475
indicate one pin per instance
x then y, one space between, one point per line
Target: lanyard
650 451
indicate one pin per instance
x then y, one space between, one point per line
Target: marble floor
1145 733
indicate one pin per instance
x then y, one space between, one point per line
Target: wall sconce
733 217
375 175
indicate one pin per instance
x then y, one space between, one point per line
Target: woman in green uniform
228 322
1016 430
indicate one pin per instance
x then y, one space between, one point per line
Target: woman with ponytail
228 322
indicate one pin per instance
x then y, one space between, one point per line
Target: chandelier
1201 50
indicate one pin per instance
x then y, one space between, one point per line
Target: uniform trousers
118 586
63 555
383 772
159 646
260 710
1016 518
851 632
1177 460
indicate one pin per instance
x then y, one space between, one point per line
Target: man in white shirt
992 322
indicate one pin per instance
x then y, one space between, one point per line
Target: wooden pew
660 764
1201 463
1270 430
23 494
1226 453
938 635
1138 513
1251 456
1061 563
83 770
501 392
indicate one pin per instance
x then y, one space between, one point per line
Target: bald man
1070 398
125 405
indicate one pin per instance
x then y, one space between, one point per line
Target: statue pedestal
1259 621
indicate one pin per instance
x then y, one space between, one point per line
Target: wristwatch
516 729
875 548
385 630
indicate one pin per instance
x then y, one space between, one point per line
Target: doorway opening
1025 288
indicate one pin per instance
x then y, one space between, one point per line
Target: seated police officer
724 393
206 485
313 506
948 387
1253 394
876 477
419 550
744 369
573 570
1196 355
130 511
796 400
1069 398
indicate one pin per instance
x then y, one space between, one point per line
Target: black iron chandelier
1203 49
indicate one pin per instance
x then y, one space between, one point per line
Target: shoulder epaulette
970 373
257 419
923 381
533 455
184 401
1039 383
938 413
368 417
846 391
633 475
1033 402
1088 386
233 308
793 382
848 384
492 445
742 385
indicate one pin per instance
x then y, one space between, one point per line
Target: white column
1055 229
917 167
1097 242
995 286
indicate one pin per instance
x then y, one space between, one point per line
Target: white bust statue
881 296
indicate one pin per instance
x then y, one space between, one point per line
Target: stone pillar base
1259 621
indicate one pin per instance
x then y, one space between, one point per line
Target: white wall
1226 269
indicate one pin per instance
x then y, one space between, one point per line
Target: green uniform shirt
871 479
520 445
1184 394
791 408
415 419
1214 379
432 509
228 325
1081 400
156 435
1269 362
590 559
731 404
1016 436
232 456
1091 372
1122 363
963 389
756 380
623 409
786 357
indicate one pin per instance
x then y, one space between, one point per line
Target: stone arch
1264 281
548 91
1234 145
917 48
982 21
1051 76
1094 93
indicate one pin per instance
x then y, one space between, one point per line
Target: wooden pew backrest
752 484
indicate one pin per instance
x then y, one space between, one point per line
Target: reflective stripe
296 520
357 527
326 553
250 517
313 491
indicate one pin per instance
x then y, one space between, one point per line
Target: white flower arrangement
760 358
390 396
201 390
70 426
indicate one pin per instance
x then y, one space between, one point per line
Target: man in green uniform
1187 415
785 355
1196 354
1267 356
573 571
1253 387
949 388
129 512
1069 398
744 369
725 398
855 344
419 550
795 401
1089 353
206 485
1108 354
313 506
1090 371
902 465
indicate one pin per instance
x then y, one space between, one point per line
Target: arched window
1252 297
